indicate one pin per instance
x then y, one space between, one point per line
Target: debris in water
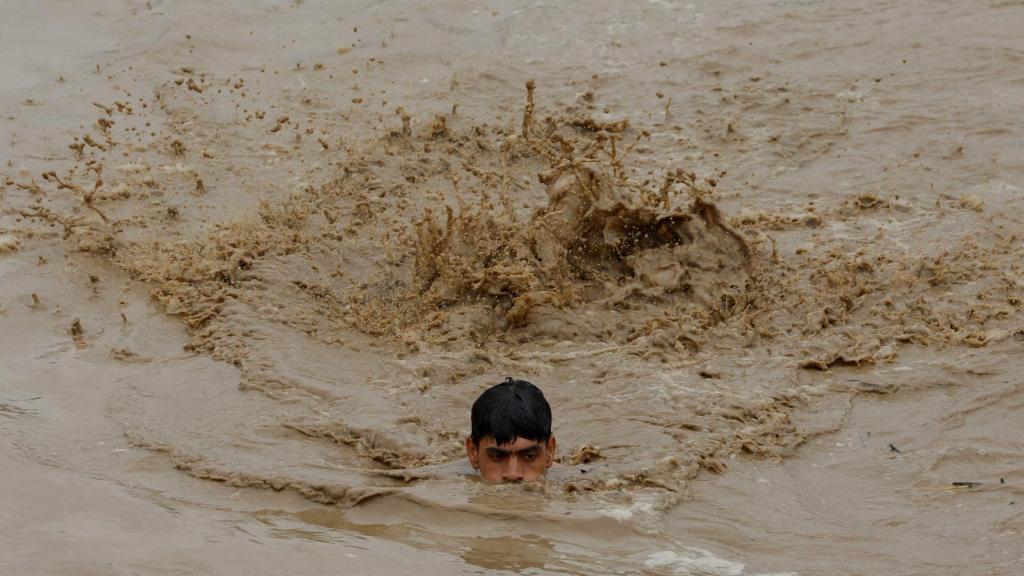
528 111
9 244
972 202
77 332
586 454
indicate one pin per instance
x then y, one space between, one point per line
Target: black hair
509 410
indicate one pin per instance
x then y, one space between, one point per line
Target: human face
522 460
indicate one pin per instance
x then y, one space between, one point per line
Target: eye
498 456
531 455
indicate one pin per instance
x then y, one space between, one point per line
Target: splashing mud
439 258
600 243
605 261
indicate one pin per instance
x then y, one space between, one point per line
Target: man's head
511 439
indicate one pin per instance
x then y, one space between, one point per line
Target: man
511 437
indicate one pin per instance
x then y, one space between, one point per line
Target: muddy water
764 259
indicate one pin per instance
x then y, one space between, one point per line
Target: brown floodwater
765 259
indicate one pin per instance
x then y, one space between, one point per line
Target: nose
513 470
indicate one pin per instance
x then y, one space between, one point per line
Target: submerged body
511 439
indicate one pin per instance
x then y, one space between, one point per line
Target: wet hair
510 410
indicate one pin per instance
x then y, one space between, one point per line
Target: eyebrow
495 451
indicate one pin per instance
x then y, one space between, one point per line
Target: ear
551 451
473 453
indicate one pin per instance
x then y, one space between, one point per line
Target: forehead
516 444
